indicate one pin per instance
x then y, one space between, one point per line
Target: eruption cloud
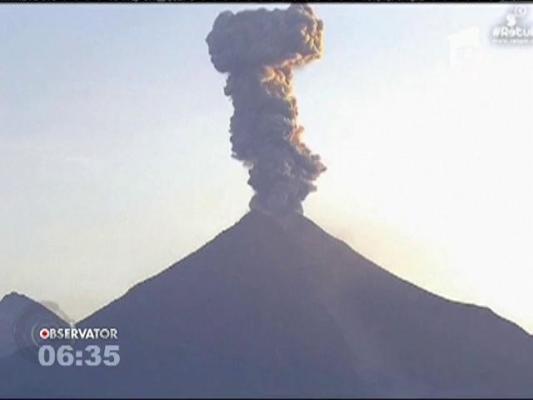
259 50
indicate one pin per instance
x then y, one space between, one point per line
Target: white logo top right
514 29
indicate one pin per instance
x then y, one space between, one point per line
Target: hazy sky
115 153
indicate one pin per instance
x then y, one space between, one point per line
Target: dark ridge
276 307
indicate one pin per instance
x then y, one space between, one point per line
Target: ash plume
259 50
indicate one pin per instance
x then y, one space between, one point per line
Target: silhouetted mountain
277 307
19 315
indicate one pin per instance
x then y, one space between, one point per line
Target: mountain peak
275 306
19 315
12 304
14 298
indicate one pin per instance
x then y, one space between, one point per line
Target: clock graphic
91 356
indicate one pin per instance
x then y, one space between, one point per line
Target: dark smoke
259 50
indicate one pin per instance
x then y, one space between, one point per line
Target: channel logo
78 333
44 333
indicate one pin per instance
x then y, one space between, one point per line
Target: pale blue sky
116 157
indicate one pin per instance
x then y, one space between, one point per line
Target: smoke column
259 50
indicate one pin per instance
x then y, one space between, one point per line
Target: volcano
277 307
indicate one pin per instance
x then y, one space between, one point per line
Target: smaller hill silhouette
20 319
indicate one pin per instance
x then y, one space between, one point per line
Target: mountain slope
277 307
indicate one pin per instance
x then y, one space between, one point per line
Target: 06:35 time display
91 356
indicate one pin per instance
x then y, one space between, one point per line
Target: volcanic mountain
277 307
